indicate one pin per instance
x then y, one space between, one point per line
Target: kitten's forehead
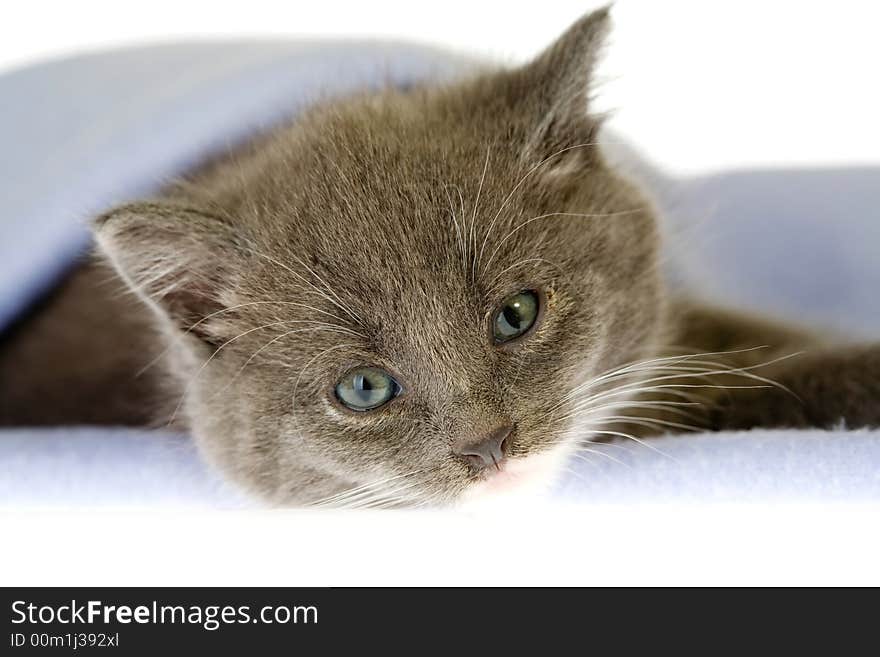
424 193
414 238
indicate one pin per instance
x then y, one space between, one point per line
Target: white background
698 86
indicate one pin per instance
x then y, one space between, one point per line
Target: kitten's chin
520 481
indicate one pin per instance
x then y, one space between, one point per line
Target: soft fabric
108 468
82 134
99 467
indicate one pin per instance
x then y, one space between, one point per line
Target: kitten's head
409 287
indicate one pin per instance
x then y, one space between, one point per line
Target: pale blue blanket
81 134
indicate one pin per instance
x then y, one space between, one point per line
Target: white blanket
75 468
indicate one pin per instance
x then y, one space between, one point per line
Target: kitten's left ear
181 260
555 90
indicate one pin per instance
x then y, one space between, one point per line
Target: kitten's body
384 231
88 354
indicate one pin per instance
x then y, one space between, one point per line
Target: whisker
211 358
636 367
349 492
303 370
523 262
458 232
236 307
474 217
588 409
601 215
520 183
581 450
650 422
742 371
671 386
336 302
379 496
273 341
620 434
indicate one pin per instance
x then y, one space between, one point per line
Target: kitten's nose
487 451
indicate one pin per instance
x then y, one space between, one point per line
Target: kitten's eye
366 388
516 316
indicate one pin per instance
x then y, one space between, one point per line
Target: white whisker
303 370
520 183
473 238
335 301
211 358
620 434
520 226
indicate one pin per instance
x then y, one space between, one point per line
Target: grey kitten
411 297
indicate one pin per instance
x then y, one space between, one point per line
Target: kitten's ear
556 89
181 260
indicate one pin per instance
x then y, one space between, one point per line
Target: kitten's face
409 288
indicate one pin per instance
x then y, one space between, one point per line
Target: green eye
516 316
366 388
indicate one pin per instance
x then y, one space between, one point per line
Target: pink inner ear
189 307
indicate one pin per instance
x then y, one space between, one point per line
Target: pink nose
487 451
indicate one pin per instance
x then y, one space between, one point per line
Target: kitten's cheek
522 480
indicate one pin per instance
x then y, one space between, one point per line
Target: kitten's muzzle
488 451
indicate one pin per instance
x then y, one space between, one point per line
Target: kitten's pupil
511 314
363 387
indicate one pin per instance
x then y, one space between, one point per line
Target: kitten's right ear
553 92
183 261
